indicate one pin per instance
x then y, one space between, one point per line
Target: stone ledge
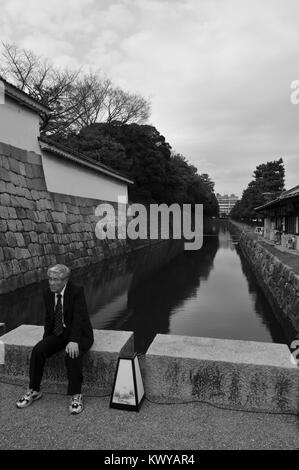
238 374
99 363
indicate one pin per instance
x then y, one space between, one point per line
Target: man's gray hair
60 269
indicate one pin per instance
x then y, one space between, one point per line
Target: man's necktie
58 326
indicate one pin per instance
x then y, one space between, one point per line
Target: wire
222 407
171 403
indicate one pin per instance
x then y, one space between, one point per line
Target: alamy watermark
137 221
294 97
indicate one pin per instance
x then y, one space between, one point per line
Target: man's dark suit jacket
78 327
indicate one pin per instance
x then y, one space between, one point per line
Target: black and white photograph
149 229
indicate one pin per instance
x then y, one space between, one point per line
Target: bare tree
42 81
89 95
126 107
20 65
76 100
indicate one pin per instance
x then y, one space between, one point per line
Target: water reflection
106 287
162 289
152 303
225 305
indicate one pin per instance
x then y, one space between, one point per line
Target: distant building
226 203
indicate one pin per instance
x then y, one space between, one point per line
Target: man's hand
72 349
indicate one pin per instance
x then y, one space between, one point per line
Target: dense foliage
267 184
141 153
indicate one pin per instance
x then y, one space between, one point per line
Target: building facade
226 203
281 219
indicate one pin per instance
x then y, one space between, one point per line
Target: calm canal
163 289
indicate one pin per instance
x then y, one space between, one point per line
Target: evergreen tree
141 153
268 180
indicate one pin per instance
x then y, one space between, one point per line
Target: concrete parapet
244 375
98 367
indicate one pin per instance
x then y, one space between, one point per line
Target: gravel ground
46 424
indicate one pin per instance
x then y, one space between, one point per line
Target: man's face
56 283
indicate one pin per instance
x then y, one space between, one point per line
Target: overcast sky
217 72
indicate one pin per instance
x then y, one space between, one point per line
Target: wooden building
281 219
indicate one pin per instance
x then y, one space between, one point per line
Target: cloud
48 28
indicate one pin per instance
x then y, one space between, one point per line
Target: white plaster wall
19 126
65 177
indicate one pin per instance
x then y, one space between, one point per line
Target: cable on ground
170 403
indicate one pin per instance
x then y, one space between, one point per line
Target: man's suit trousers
45 349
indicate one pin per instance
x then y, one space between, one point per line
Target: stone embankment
276 278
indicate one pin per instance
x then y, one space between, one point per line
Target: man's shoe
29 397
76 405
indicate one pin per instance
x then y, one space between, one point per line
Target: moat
211 292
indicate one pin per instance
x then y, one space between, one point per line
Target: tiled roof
51 146
18 95
289 194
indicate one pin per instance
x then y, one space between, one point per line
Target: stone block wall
280 280
39 228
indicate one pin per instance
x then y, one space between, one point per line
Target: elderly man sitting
67 326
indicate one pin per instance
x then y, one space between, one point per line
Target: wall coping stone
241 375
223 350
104 340
99 362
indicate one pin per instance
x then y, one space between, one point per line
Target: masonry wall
39 228
276 277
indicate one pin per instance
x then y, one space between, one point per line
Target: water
163 289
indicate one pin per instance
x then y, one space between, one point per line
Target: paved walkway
288 257
46 424
285 255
